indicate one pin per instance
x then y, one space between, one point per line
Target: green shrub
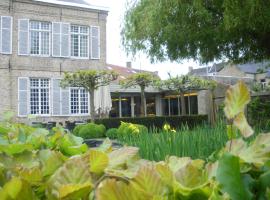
90 130
157 121
133 129
77 129
112 133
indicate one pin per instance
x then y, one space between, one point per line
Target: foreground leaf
98 161
241 123
228 175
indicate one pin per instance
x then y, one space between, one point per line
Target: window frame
79 102
40 36
79 34
39 96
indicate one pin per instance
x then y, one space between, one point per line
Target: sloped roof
199 71
75 3
254 68
124 72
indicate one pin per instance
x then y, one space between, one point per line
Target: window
78 101
79 41
39 96
40 36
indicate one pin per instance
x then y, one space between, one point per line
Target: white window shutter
65 39
23 37
65 101
95 42
6 34
56 39
56 97
23 96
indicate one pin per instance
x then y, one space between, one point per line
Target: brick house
40 39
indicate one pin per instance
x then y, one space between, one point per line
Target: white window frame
39 96
40 31
79 102
79 41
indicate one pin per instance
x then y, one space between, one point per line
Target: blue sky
115 52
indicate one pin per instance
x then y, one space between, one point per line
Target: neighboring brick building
39 40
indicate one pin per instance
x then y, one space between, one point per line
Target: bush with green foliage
131 129
112 133
90 130
156 121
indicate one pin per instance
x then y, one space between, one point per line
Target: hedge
157 122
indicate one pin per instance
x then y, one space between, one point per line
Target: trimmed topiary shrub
129 128
90 130
112 133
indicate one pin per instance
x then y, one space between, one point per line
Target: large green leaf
176 163
71 181
112 189
241 123
237 97
17 148
229 177
257 153
50 161
98 161
17 189
148 182
120 157
72 145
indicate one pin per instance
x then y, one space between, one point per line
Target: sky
116 54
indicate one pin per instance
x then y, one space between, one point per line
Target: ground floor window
79 101
130 106
39 96
172 104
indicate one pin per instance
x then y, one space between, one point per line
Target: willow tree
90 80
141 80
199 29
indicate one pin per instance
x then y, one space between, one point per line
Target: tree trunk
92 106
183 104
143 102
213 108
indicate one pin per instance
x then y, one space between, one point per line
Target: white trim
11 34
53 34
40 42
27 46
79 101
79 41
94 7
98 37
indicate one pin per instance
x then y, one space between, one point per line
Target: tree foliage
204 30
90 80
142 80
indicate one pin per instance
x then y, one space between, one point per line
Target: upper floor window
40 36
79 41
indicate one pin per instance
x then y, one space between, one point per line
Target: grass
199 142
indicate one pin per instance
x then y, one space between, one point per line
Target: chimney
190 68
129 65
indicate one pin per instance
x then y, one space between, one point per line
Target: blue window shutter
6 34
56 97
23 96
56 39
23 37
65 39
65 101
95 42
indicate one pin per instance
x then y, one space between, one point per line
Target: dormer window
40 37
79 41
